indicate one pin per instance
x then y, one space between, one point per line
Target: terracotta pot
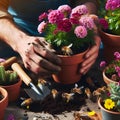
13 91
111 44
108 115
3 102
70 66
106 79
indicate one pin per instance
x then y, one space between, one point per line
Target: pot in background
106 114
111 44
13 90
3 102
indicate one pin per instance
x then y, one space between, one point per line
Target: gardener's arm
35 56
92 54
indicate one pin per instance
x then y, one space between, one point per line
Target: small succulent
7 77
110 96
115 95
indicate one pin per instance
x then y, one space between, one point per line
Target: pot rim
99 103
112 35
4 93
104 76
18 82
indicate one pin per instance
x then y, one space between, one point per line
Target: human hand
38 56
90 56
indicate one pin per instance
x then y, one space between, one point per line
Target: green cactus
7 77
115 94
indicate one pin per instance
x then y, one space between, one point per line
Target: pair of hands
40 58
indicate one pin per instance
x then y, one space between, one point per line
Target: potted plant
110 28
3 102
111 71
109 101
11 82
70 33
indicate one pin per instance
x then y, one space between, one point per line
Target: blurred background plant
110 16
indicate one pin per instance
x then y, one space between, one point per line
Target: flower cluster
67 28
111 20
110 96
112 70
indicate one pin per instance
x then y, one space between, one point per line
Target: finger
86 68
41 41
50 56
89 60
45 64
37 69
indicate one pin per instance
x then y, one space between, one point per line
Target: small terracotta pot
70 66
3 103
111 44
13 91
108 115
106 79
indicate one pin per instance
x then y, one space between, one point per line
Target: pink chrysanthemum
74 21
117 69
104 23
66 9
55 16
112 4
117 55
102 64
87 22
42 16
80 31
41 27
81 10
64 25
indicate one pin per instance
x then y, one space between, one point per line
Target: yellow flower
91 113
109 104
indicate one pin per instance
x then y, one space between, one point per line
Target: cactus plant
7 77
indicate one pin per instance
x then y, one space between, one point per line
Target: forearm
10 33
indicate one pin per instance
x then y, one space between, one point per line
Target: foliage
7 77
111 17
110 96
67 27
112 70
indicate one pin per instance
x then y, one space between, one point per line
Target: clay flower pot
108 115
3 102
111 44
106 79
70 66
13 90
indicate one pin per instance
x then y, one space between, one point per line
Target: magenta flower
102 64
64 25
66 9
41 27
11 117
81 10
2 60
117 55
55 16
104 23
87 22
42 16
80 31
112 4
